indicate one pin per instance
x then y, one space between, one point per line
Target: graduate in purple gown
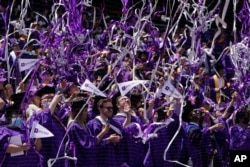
9 150
240 132
49 147
82 143
198 146
3 100
165 133
106 154
220 137
130 150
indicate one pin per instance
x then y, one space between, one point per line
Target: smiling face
105 108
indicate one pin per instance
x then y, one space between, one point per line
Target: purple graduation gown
130 151
157 146
198 145
30 157
221 140
82 146
50 145
105 154
239 138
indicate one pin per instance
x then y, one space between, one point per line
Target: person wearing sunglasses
106 154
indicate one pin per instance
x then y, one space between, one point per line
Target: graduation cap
15 107
17 98
78 104
45 90
11 110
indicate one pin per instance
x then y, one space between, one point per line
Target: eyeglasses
108 108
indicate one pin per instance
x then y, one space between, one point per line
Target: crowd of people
192 107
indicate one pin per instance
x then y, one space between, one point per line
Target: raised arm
57 98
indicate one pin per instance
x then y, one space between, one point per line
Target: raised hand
105 128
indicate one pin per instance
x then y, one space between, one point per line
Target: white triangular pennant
170 90
38 131
25 64
90 87
125 87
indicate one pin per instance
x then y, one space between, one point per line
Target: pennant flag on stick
38 131
125 87
170 90
25 64
90 87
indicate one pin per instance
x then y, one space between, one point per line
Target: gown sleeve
81 138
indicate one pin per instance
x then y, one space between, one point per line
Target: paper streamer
69 42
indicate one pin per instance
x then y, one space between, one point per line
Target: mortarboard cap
15 107
78 104
45 90
17 98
